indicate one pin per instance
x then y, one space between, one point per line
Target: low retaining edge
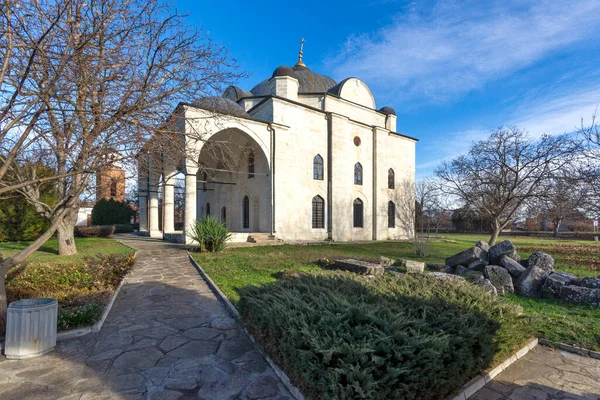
571 349
477 383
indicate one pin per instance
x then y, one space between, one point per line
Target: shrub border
73 333
468 390
294 391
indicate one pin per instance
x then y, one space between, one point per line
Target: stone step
260 237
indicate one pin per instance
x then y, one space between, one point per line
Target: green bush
339 335
211 234
19 221
111 212
94 231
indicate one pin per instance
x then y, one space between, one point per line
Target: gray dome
284 70
234 93
221 105
388 110
310 82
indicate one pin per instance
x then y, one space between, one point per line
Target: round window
356 141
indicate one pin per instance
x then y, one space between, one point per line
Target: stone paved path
166 337
546 374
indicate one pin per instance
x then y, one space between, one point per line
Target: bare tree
105 78
420 210
500 174
591 163
21 38
564 196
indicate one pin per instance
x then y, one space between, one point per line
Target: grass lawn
237 268
85 247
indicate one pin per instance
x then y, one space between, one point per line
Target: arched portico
232 167
214 156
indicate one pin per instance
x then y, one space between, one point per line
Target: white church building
299 157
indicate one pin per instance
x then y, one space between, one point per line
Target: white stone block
415 267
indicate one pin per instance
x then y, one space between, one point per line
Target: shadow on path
546 374
166 337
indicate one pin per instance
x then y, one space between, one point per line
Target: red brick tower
110 183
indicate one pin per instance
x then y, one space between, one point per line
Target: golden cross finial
300 63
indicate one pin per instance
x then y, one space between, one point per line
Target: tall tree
105 76
590 134
22 37
500 174
565 195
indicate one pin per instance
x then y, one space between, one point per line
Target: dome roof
284 70
388 110
221 105
310 82
234 93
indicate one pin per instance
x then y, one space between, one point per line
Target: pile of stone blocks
500 269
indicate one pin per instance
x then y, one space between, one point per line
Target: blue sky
452 70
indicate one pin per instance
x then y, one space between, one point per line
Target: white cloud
556 113
453 48
550 111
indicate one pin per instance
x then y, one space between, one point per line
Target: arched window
113 188
246 213
358 175
318 212
318 167
207 209
251 164
224 215
391 214
391 179
204 179
358 213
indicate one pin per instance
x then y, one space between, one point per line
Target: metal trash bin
30 328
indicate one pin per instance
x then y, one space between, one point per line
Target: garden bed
340 335
83 284
237 268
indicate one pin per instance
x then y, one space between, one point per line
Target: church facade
299 157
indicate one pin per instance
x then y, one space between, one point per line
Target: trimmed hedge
123 228
339 335
94 231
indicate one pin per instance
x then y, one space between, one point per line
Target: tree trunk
65 233
494 237
556 227
496 228
3 303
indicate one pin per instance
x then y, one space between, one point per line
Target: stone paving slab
166 337
546 374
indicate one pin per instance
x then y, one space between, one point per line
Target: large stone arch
224 160
202 127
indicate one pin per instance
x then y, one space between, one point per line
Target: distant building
110 184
